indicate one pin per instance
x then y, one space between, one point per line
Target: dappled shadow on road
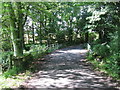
67 68
66 78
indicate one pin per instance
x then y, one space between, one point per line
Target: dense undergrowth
105 57
12 65
63 23
18 72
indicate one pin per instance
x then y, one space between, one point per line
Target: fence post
89 47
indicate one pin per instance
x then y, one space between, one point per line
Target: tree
17 19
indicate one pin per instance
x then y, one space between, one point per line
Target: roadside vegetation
31 30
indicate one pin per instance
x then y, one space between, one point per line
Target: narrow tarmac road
67 68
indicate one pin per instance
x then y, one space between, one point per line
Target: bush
109 55
101 50
92 36
11 72
5 60
112 65
20 64
23 62
61 36
38 50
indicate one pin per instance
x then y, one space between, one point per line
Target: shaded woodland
33 29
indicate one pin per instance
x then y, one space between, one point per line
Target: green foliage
23 62
93 36
106 57
105 50
39 50
101 50
20 64
12 72
6 45
65 23
112 65
5 59
113 45
61 36
90 57
109 65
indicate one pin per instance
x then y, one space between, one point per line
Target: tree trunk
27 37
86 37
33 36
70 30
15 32
40 38
100 36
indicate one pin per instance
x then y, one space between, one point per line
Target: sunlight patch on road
77 51
47 82
72 51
